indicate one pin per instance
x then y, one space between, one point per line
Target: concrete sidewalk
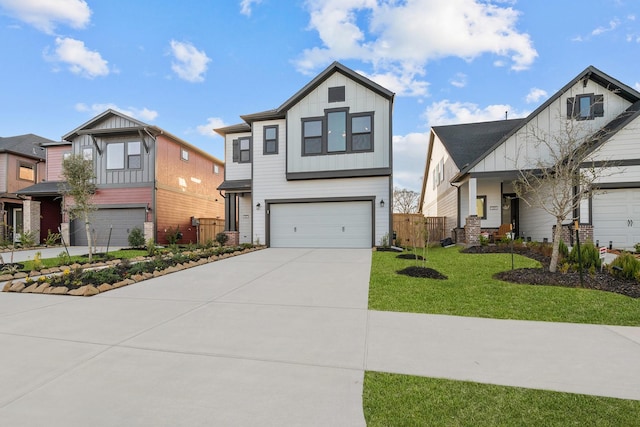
273 337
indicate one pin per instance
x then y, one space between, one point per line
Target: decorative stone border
15 282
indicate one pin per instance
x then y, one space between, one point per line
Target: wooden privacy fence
209 228
414 229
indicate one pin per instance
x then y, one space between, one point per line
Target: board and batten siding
624 145
233 170
523 151
358 99
269 183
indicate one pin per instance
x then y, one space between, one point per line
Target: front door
511 212
18 224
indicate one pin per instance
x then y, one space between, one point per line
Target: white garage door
616 217
119 221
321 225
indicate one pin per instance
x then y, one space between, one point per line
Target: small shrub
563 250
637 247
484 241
221 238
625 265
151 247
384 241
64 258
589 254
136 238
37 261
173 235
52 238
28 239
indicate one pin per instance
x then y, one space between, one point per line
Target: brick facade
472 230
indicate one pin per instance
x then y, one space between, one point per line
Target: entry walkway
273 337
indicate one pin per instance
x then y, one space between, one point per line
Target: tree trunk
88 231
557 236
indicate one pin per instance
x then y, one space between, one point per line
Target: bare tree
405 201
79 185
562 175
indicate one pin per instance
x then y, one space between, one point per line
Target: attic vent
336 94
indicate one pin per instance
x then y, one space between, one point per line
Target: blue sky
193 65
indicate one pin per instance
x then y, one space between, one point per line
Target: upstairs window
270 140
585 107
337 132
184 154
121 155
216 169
134 157
336 94
27 172
87 153
242 150
115 155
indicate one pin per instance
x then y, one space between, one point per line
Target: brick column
64 231
148 231
233 238
31 218
472 230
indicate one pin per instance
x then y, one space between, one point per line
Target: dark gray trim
123 206
269 202
240 150
390 139
336 94
342 173
239 185
616 185
496 174
612 163
322 121
126 186
238 128
264 139
324 141
371 115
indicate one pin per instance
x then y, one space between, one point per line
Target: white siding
359 99
244 219
236 171
522 150
535 223
437 201
491 189
625 144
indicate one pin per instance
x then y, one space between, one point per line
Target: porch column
31 219
472 226
473 195
230 212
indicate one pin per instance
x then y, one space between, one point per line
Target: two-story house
22 164
145 178
316 171
471 168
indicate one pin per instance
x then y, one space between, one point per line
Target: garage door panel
616 217
330 224
118 222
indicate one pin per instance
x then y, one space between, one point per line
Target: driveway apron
273 337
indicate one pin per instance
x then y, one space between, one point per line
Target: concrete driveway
274 337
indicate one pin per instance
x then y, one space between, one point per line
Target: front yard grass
402 400
470 290
80 259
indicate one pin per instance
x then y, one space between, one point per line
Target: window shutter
598 106
570 102
236 151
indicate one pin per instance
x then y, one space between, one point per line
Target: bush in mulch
411 256
603 281
422 273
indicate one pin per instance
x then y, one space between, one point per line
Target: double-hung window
585 107
270 140
121 155
242 150
337 132
134 155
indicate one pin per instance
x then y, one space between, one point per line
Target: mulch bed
603 281
411 256
422 273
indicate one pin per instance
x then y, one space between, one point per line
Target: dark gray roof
25 145
239 128
466 142
47 188
240 185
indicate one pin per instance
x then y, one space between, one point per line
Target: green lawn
471 291
401 400
55 262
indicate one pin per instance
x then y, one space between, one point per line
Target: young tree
79 185
562 175
405 201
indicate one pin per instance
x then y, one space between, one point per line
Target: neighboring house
145 178
471 168
316 171
21 165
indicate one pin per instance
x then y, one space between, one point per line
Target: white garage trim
328 223
616 217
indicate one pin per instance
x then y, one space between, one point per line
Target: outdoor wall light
258 205
382 203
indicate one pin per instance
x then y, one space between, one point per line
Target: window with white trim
184 154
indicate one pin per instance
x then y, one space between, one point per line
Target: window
270 140
337 132
27 171
585 107
312 136
184 154
216 169
336 94
361 132
481 207
87 153
242 150
134 158
115 155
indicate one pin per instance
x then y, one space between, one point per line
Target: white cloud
613 24
402 82
81 61
446 112
409 156
637 86
247 5
459 80
143 114
535 95
189 63
45 15
406 35
207 128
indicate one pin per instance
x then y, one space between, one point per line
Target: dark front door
511 212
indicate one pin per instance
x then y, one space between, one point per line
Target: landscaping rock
40 289
58 290
17 287
31 288
7 286
105 287
5 277
20 275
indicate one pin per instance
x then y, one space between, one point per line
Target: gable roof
281 111
589 73
28 145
